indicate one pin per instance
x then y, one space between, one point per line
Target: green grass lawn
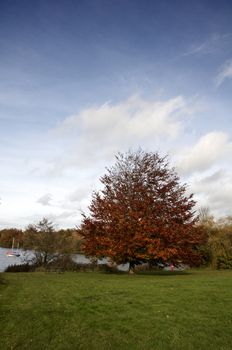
103 311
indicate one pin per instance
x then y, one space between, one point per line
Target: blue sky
82 80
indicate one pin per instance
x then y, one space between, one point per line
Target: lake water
6 261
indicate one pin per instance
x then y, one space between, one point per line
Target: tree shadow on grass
164 273
2 279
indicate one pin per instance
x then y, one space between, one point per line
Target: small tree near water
143 214
47 244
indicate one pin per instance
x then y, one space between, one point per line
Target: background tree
207 224
220 243
49 245
217 251
143 214
205 217
71 235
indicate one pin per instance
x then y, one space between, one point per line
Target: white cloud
214 191
208 151
134 117
79 194
213 43
224 73
98 133
196 49
45 199
216 176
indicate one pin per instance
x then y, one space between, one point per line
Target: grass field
99 311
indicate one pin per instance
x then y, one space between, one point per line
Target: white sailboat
13 252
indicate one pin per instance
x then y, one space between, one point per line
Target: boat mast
12 245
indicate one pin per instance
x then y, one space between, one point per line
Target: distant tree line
26 238
7 235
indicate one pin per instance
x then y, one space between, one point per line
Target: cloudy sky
82 80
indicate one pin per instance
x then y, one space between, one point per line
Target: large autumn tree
142 214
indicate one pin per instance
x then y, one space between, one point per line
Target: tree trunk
131 266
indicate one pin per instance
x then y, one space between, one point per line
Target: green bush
21 268
65 263
224 262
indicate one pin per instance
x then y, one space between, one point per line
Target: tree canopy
142 214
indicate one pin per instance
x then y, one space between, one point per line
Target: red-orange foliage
143 214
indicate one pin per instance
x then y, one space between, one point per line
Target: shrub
224 262
65 263
62 265
20 268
